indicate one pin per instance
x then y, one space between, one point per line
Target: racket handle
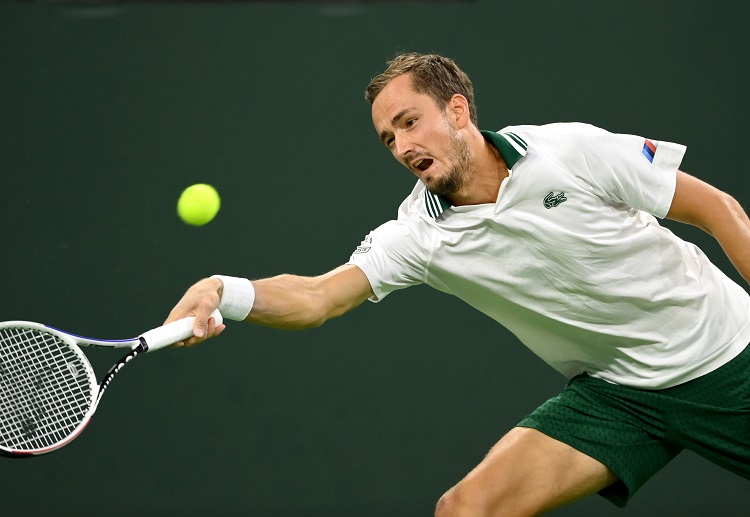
171 333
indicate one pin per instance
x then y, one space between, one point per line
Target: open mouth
423 164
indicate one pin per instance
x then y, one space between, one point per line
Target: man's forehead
397 96
398 87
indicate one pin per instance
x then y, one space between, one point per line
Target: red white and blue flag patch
649 150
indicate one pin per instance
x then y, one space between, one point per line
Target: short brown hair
437 76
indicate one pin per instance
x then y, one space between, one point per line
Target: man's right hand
199 301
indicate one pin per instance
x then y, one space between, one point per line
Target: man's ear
458 108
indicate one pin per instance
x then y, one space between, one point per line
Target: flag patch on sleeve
649 150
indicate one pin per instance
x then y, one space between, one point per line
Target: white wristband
237 297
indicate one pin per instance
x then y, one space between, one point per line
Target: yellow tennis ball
198 204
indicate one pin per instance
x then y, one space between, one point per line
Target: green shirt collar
511 146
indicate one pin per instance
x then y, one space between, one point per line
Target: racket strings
45 389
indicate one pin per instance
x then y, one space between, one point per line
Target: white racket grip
171 333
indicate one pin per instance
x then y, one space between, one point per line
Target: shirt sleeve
639 172
391 258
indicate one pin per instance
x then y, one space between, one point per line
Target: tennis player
553 232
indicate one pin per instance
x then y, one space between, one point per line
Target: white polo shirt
571 258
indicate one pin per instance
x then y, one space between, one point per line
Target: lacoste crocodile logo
552 199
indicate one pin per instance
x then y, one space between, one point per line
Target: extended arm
296 302
284 301
718 214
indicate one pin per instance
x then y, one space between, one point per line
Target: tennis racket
48 390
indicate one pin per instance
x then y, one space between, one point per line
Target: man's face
423 137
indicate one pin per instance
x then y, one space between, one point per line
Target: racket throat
140 348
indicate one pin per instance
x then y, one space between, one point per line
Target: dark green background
108 112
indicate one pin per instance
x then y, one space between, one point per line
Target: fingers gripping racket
48 390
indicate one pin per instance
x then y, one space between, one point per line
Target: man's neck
489 172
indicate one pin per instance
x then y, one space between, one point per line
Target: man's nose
402 146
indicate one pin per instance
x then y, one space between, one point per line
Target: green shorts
636 432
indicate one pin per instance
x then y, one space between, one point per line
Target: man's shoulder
552 129
559 141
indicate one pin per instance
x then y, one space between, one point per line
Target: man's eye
388 142
411 122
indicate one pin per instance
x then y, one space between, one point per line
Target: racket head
48 389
